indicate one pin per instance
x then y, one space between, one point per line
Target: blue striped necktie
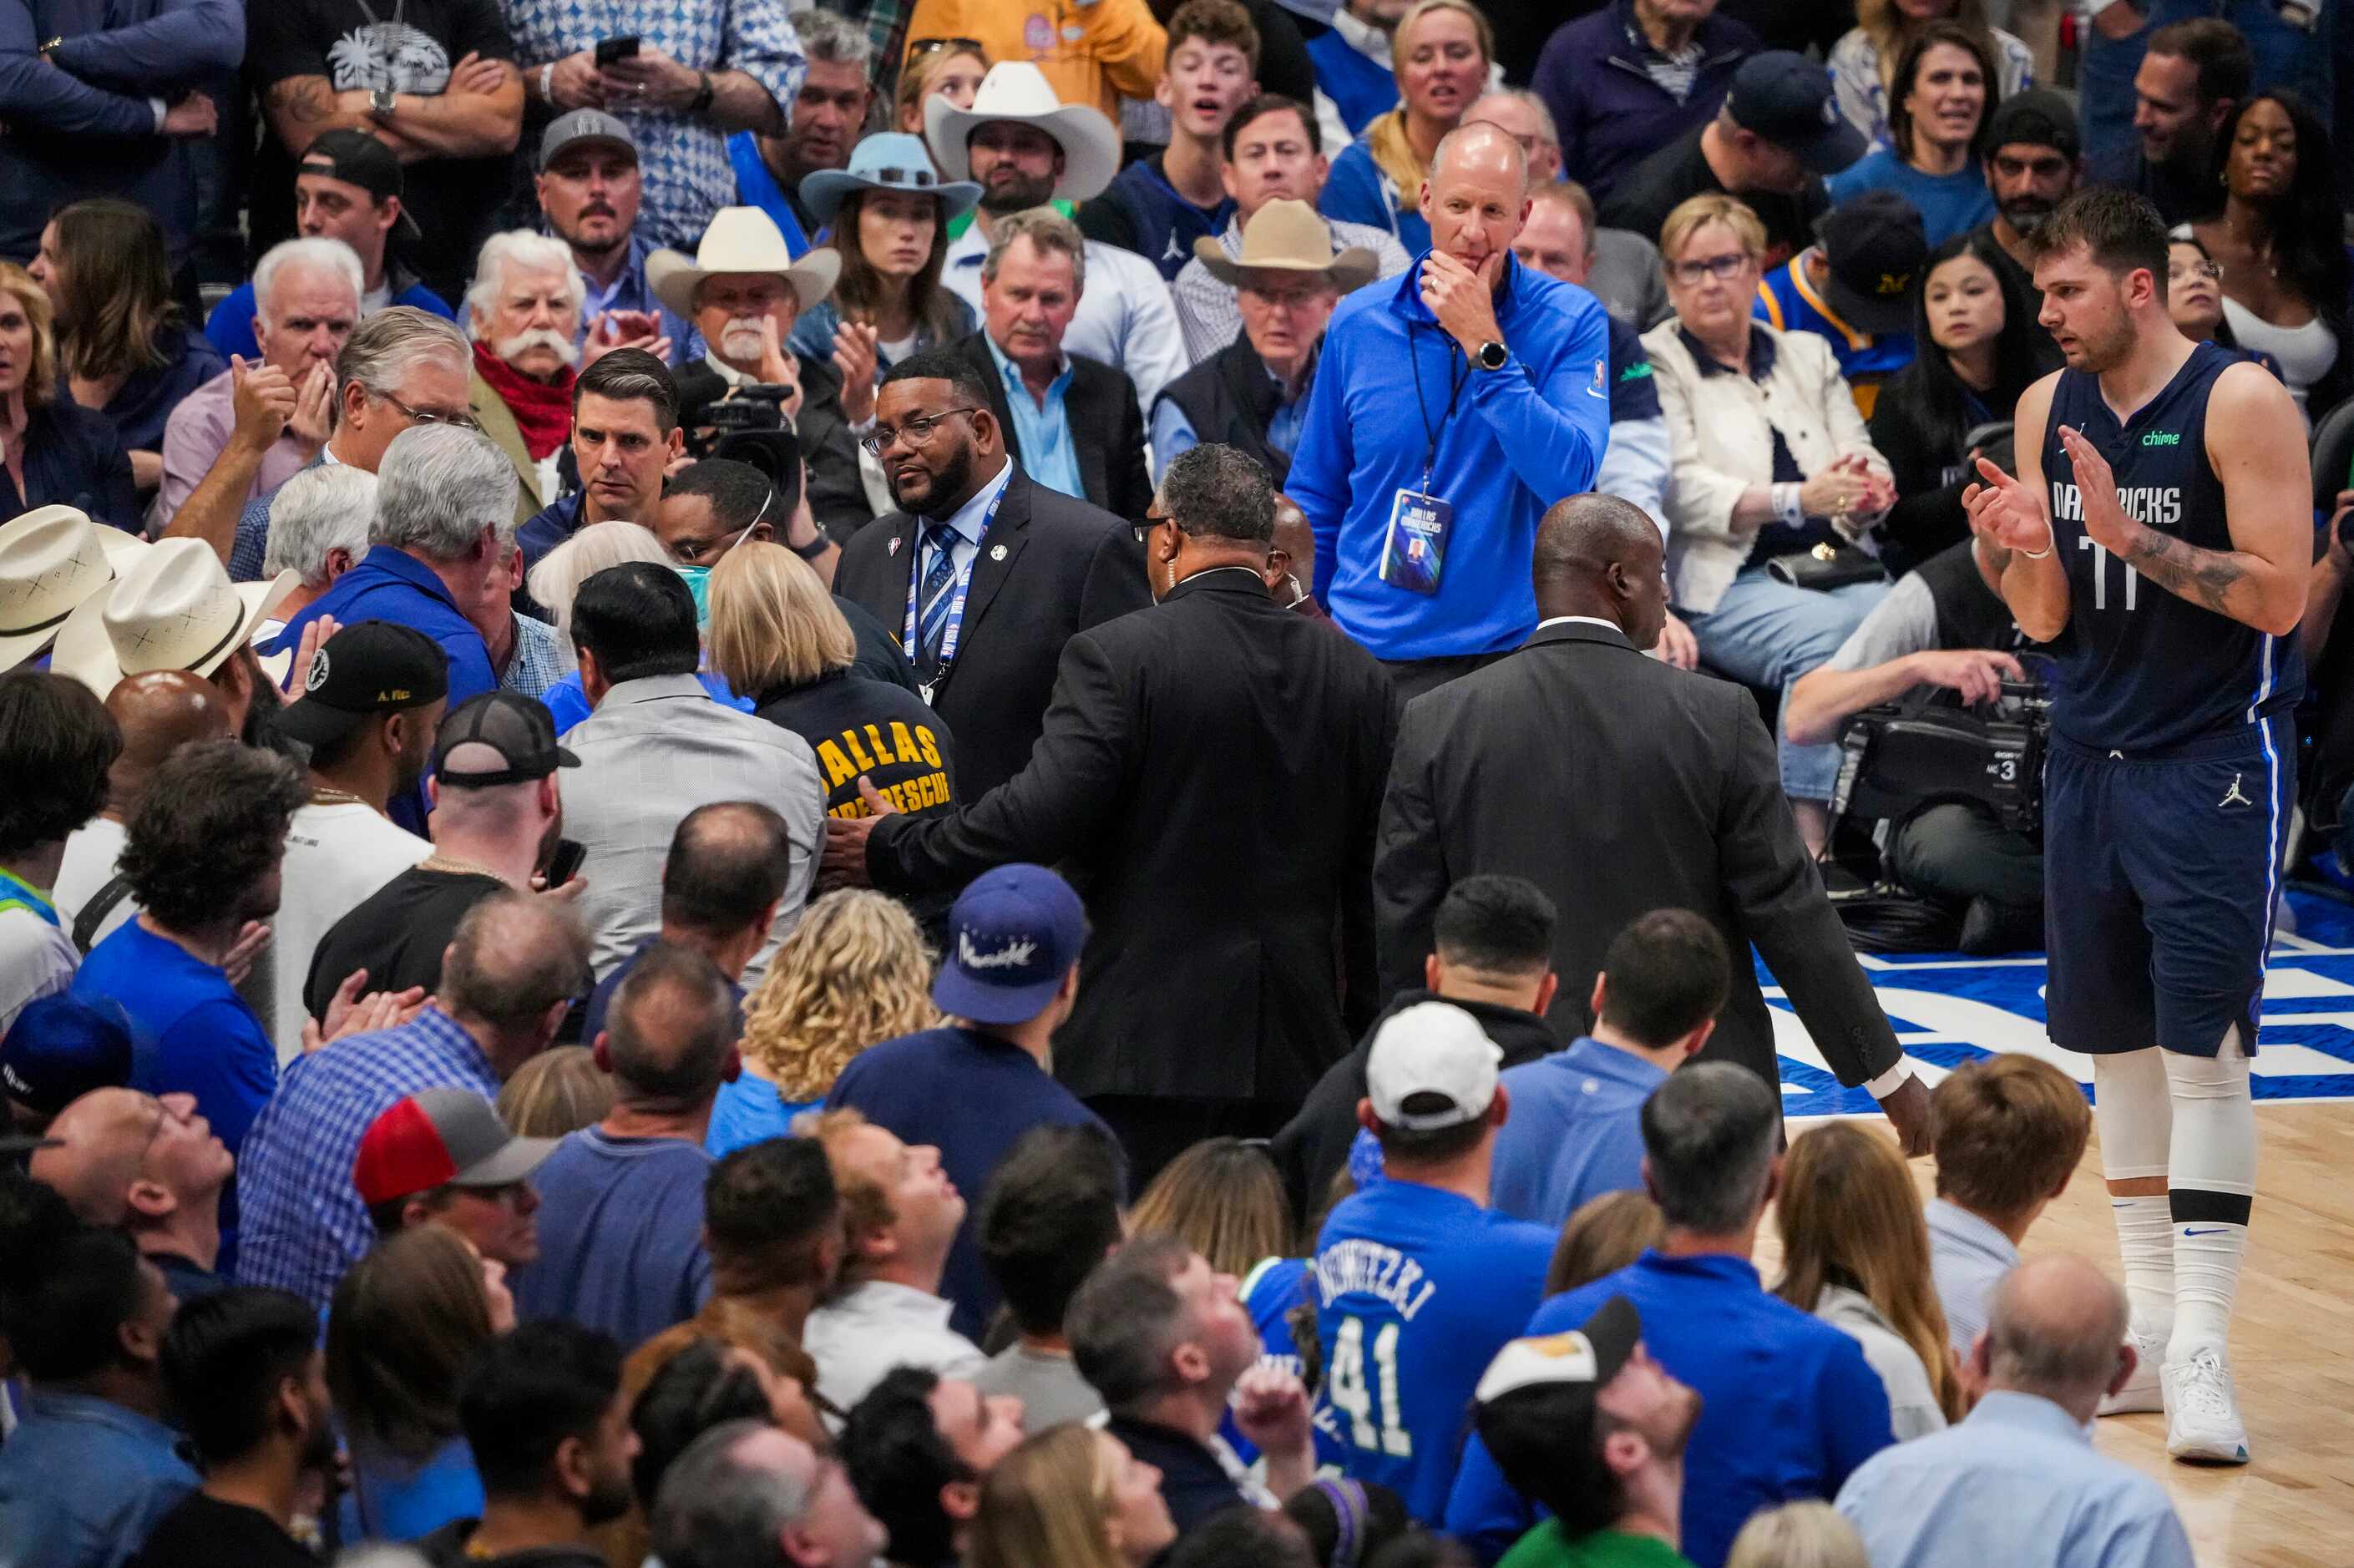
940 588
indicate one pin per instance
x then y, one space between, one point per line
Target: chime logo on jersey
2158 506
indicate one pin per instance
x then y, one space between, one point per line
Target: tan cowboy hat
740 239
1017 89
52 559
1288 237
175 610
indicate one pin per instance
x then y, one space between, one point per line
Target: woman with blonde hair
1442 52
1811 1534
1855 1252
855 971
559 1091
952 68
1072 1496
556 581
1863 62
53 449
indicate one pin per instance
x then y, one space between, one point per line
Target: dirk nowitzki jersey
2142 668
1415 1291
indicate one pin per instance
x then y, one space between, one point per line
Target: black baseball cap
1787 98
518 728
1876 247
370 668
358 159
1564 1374
2038 118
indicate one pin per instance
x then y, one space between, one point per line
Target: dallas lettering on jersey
865 749
2157 505
1369 1268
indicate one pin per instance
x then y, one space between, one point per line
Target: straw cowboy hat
887 160
740 239
175 610
53 558
1018 91
1288 237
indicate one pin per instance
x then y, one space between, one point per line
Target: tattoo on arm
2202 577
306 100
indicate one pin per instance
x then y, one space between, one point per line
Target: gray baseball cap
584 126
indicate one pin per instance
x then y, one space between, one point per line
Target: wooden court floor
2292 1349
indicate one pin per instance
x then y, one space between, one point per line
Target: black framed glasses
918 430
1724 269
1144 530
433 417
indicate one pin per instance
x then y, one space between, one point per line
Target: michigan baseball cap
518 729
1786 98
584 127
1431 1066
441 1137
374 667
60 1048
1875 245
1014 934
1573 1368
2036 118
358 159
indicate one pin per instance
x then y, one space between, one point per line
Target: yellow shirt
1089 54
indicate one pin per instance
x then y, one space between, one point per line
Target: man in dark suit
984 573
1071 422
1620 784
1209 778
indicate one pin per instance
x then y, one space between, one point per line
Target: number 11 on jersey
2100 558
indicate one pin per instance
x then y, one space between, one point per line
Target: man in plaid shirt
517 960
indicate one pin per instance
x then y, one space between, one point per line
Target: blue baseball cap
60 1048
1014 934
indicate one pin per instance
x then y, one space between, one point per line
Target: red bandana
541 409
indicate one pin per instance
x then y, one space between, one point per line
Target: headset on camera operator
1942 728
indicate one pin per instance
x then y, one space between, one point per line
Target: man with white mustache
523 315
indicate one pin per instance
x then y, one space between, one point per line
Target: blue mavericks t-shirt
620 1235
1415 1291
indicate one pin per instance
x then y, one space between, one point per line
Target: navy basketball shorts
2161 876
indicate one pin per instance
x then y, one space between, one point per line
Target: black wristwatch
700 102
1490 356
812 551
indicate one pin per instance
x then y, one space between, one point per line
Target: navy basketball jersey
2142 668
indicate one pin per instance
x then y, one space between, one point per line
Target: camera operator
1940 626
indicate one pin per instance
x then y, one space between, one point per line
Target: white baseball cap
1431 1048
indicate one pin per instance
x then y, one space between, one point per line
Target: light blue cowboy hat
887 160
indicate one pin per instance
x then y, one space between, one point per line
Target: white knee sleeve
2135 1112
2214 1141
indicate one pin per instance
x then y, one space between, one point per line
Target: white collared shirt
869 1329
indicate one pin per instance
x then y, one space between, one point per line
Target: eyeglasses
918 430
1144 530
433 417
958 46
2213 271
1724 269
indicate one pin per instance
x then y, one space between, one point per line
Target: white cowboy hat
175 610
1288 237
53 558
1018 91
740 239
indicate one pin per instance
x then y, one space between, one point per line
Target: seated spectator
442 1157
558 1091
1630 78
590 188
54 730
1864 61
2053 1345
550 1436
704 1383
1941 98
2285 284
1355 81
1770 146
1252 395
746 1493
1771 460
1074 1495
621 1227
406 1321
944 67
1161 205
347 186
2194 75
1564 239
245 1376
625 434
306 302
147 1165
900 1214
2032 165
1797 1535
2194 297
823 122
658 747
1024 146
524 314
1598 1437
1980 348
1164 1340
512 970
1710 1136
1853 288
721 879
855 971
65 454
1855 1252
317 527
123 349
1051 1214
1574 1133
1607 1233
1272 150
1402 1359
91 1468
2010 1131
486 837
56 1051
52 559
918 1448
1441 51
1523 115
968 1089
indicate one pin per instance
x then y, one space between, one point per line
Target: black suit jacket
1620 784
1209 778
1065 567
837 496
1106 425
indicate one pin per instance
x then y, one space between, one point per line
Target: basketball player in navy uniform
2158 536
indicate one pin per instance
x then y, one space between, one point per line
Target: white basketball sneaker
2145 1391
2203 1412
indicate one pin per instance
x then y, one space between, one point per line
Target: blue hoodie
1521 438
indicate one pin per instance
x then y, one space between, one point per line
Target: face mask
698 579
